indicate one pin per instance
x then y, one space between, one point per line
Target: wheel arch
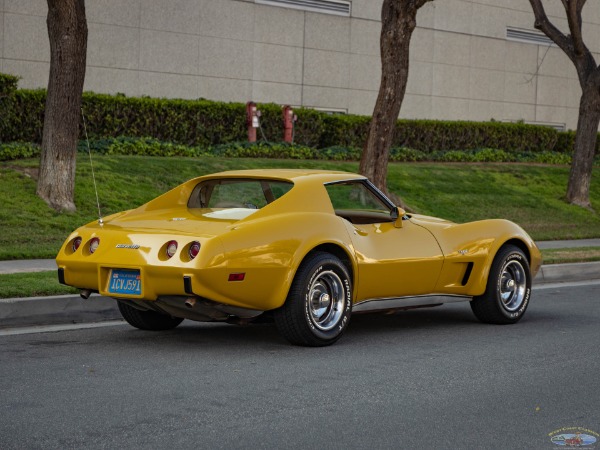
520 245
494 250
336 250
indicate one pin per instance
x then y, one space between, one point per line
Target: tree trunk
398 21
578 190
67 30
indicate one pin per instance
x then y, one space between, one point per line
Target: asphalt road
429 378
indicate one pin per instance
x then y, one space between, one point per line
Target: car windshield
230 193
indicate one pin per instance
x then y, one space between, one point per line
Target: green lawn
570 255
531 195
32 285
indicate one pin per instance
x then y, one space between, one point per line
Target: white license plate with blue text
125 282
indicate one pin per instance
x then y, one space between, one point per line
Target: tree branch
543 24
420 3
573 11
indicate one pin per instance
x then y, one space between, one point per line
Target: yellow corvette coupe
305 248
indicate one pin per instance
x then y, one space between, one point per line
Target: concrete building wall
462 65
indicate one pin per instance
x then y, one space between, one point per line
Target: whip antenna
87 140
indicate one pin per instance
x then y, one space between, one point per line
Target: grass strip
570 255
33 284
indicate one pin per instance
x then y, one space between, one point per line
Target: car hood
426 220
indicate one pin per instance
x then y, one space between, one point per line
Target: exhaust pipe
85 293
190 302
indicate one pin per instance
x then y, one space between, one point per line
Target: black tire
508 290
147 320
318 307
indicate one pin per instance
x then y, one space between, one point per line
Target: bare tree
67 30
398 21
588 72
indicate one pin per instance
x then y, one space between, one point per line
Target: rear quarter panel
269 252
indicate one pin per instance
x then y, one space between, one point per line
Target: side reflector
237 276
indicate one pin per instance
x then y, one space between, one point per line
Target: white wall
462 65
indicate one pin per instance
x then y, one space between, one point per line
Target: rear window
237 193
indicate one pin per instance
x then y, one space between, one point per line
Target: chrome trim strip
383 304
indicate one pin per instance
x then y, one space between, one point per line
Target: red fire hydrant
252 120
288 124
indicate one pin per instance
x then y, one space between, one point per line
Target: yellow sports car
305 248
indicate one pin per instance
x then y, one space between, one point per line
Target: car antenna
87 140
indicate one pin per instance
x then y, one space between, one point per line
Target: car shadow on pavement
443 321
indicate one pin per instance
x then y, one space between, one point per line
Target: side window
354 196
356 203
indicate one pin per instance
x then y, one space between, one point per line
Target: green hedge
8 87
204 123
8 84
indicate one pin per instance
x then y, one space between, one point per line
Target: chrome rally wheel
326 300
318 306
513 285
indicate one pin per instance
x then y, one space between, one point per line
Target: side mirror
397 214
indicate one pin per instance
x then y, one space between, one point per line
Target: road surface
430 378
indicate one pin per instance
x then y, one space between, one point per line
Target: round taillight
171 248
76 243
94 243
194 249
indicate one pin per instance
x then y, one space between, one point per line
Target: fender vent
338 7
528 36
465 279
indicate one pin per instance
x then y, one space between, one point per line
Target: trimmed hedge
8 84
204 123
8 87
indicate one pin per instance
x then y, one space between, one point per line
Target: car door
395 258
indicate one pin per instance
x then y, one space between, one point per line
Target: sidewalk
63 309
27 265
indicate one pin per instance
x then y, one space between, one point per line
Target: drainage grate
528 36
341 8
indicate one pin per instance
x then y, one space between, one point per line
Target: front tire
318 307
508 290
147 320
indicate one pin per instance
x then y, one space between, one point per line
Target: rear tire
147 320
508 289
318 307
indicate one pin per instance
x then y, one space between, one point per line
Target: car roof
290 174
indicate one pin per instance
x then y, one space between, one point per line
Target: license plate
125 282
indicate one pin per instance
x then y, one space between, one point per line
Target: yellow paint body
417 256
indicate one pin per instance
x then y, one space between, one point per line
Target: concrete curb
64 309
60 309
561 273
